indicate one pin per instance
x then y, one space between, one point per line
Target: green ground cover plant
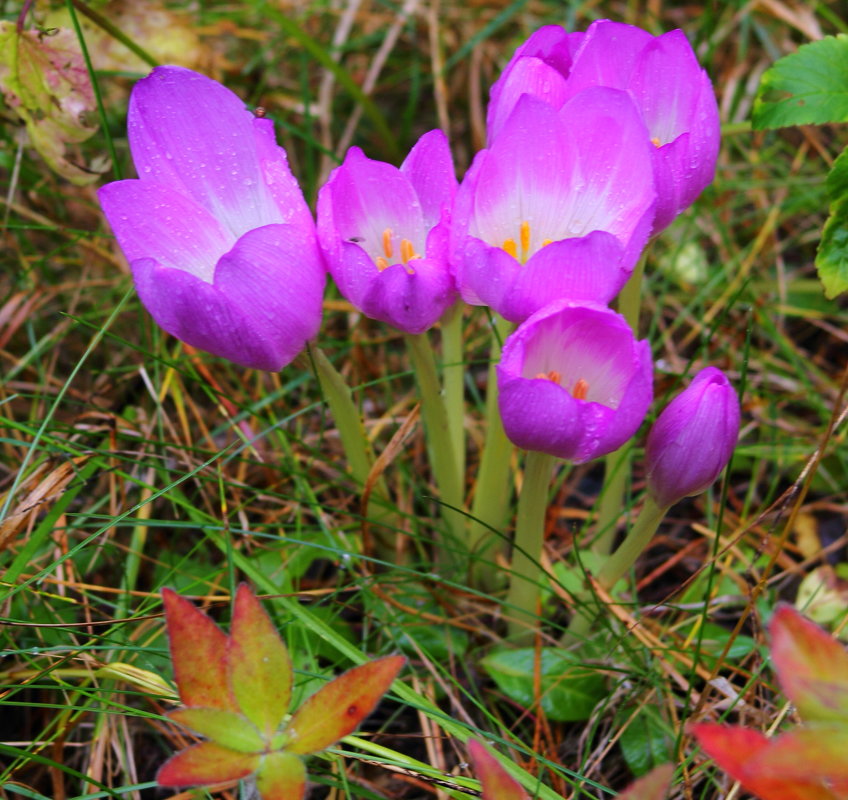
583 620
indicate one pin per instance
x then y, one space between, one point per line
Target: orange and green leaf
281 776
259 664
653 786
812 666
206 763
739 751
338 707
199 654
224 727
496 782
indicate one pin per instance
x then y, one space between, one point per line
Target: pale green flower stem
440 447
492 490
453 371
522 600
617 464
616 567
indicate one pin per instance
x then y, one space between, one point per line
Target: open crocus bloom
693 438
219 238
539 67
384 232
573 382
560 205
661 74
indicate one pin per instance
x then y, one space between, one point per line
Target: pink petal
189 132
151 220
429 167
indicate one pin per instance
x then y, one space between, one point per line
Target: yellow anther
524 236
547 242
407 251
381 263
387 242
510 247
656 142
551 375
580 390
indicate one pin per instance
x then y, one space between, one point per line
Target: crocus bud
692 439
573 382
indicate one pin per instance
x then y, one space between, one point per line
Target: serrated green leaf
837 179
645 743
281 776
569 689
806 87
225 728
260 669
206 763
338 707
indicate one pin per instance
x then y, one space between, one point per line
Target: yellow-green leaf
259 664
225 728
281 776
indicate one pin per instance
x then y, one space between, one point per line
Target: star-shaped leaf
260 670
812 666
198 653
338 707
206 763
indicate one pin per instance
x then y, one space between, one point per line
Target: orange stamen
510 247
580 390
524 236
407 251
656 142
381 263
387 242
551 375
547 242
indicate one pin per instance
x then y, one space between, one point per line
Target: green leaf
569 690
645 743
206 763
44 80
497 783
832 255
225 728
199 654
806 87
812 666
338 707
281 776
259 665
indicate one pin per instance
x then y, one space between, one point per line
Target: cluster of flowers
596 141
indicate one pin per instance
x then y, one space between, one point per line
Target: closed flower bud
692 439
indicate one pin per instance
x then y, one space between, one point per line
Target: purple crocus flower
539 67
384 232
661 74
220 241
573 382
560 205
692 439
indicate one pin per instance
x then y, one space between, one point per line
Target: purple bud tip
692 439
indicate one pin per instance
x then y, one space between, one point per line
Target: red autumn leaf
737 749
811 752
653 786
259 664
281 776
497 783
206 763
339 706
812 666
223 727
199 654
